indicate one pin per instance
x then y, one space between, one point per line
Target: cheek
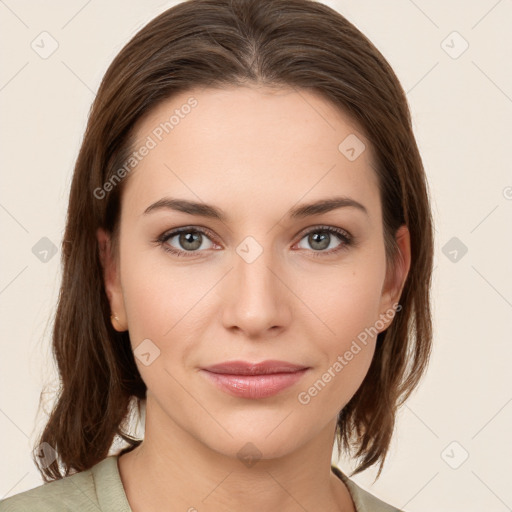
347 301
348 307
346 350
162 304
159 296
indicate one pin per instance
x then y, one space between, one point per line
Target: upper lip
247 368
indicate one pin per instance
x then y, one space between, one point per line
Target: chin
250 450
261 437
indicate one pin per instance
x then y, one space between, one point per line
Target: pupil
324 238
190 238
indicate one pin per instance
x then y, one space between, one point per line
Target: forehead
244 146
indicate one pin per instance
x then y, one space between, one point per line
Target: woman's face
255 276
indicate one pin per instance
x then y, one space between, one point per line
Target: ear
396 275
111 279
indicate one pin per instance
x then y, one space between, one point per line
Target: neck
173 467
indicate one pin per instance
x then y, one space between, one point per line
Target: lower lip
254 386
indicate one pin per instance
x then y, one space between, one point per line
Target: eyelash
346 239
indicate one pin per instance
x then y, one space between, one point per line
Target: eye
321 238
187 241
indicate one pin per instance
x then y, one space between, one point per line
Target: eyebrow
210 211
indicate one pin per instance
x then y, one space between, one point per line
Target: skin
255 153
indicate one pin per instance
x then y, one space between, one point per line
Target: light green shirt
100 489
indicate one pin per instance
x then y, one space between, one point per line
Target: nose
257 300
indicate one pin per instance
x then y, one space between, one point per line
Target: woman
247 256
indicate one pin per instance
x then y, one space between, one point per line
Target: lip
254 380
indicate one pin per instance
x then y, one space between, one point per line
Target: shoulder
74 492
363 500
67 493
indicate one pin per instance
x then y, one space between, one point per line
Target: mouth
254 380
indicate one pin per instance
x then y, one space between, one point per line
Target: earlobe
111 281
116 323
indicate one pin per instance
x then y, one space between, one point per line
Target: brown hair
213 43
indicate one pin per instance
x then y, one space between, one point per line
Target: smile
260 380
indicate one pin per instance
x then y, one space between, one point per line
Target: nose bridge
256 299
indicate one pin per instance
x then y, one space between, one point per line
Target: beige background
462 110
